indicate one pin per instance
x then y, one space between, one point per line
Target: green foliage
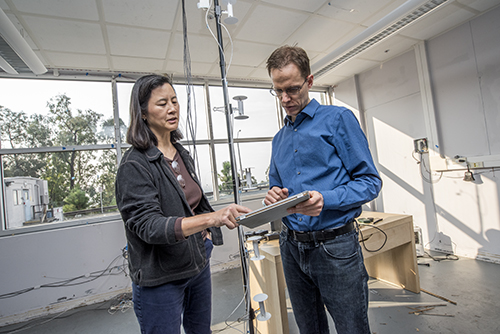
76 200
69 173
19 131
107 134
74 129
226 178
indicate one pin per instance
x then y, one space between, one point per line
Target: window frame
119 146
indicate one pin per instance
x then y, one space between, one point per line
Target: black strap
322 235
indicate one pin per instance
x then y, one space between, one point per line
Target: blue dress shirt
324 150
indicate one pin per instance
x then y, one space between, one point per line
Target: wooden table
266 276
395 263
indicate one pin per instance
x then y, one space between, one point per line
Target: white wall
35 259
38 258
464 65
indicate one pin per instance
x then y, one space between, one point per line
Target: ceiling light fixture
388 25
15 42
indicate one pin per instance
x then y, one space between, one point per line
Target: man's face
290 79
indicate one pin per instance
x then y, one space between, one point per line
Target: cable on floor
449 257
82 279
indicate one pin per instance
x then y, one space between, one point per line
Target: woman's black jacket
150 199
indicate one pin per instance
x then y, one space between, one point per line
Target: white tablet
271 212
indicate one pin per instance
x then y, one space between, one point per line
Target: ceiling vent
16 56
388 25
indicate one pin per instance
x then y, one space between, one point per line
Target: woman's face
163 111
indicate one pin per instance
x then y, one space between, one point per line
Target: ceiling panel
201 48
150 14
384 9
141 64
248 53
238 71
354 11
78 61
345 71
146 36
317 33
270 25
307 6
197 69
66 35
437 22
480 5
388 48
137 42
74 9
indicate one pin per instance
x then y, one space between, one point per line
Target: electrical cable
213 35
450 257
191 117
363 238
431 182
422 164
124 300
120 269
227 318
28 326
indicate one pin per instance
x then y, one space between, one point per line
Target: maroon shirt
191 189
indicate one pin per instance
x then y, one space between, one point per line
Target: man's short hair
285 55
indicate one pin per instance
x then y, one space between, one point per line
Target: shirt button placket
296 157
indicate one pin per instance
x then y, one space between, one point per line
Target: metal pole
116 121
234 172
239 154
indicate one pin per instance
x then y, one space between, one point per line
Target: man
321 149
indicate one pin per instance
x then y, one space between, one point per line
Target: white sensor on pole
263 315
255 240
205 4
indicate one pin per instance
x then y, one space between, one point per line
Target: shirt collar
309 110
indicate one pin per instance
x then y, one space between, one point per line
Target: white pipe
368 32
12 36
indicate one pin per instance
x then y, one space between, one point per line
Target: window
58 150
51 155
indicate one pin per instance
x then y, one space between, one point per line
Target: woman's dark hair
285 55
139 134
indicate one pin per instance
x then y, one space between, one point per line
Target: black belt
322 235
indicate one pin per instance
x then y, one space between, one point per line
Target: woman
169 223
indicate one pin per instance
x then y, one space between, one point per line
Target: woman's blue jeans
160 309
332 274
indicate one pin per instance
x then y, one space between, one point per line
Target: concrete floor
473 285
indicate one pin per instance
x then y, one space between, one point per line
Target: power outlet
421 145
476 164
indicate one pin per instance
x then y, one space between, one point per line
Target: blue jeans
159 309
331 274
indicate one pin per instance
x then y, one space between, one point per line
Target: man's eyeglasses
290 91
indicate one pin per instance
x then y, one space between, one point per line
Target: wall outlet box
420 145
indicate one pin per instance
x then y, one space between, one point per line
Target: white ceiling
131 36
